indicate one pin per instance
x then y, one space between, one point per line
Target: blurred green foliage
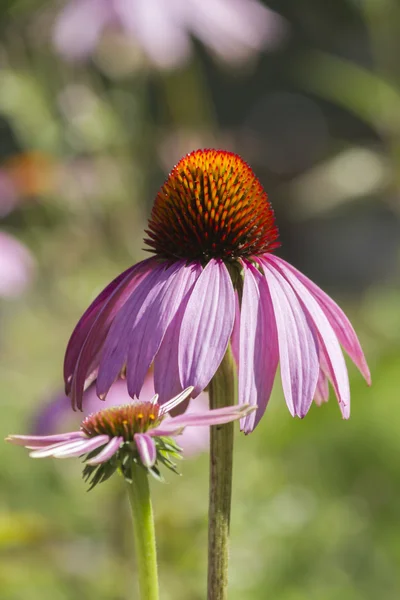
315 511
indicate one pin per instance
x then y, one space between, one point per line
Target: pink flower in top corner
56 415
213 280
16 266
231 29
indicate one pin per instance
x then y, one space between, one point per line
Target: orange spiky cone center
211 206
124 420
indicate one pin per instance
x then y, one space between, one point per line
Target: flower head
140 432
55 415
211 206
212 282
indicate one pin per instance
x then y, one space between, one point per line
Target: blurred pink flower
16 266
56 415
231 29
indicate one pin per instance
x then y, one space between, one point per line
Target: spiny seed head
124 421
211 206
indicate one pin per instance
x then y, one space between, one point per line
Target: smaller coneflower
117 437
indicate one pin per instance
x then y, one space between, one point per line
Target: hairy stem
222 393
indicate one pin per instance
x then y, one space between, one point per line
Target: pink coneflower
56 415
231 29
213 280
139 432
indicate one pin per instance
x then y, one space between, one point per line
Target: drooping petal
330 348
70 446
206 326
85 447
89 356
258 357
338 320
41 441
322 391
85 323
148 332
166 370
218 416
235 337
115 350
297 341
107 452
176 401
146 448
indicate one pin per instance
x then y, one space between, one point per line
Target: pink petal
206 326
218 416
322 390
334 360
83 448
107 452
235 337
89 356
115 351
79 26
162 304
176 400
338 320
40 441
146 448
166 371
298 346
258 359
85 323
70 446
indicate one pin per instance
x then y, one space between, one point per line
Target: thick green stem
222 393
144 534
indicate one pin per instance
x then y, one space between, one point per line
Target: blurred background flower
16 266
84 148
233 30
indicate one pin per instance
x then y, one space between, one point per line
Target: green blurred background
313 104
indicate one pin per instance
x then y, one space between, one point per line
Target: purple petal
330 348
160 307
85 323
70 450
89 356
338 320
322 390
79 26
107 452
146 448
258 358
62 446
235 337
176 401
206 326
218 416
166 371
41 441
298 345
115 351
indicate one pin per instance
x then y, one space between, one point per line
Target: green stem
143 532
222 393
